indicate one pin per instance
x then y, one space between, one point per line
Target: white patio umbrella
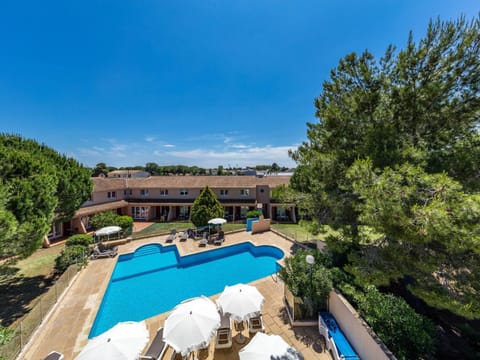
242 302
124 341
191 325
267 347
217 221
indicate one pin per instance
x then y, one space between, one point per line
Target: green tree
418 105
397 149
205 207
38 184
274 168
430 232
100 168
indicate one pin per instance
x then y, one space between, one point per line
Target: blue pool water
343 346
155 278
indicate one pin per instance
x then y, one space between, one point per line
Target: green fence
31 321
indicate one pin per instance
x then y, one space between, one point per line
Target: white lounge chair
224 333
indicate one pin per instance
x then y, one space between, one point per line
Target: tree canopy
37 185
397 149
205 207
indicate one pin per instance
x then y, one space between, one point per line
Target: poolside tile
69 324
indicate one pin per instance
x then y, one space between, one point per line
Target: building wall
358 333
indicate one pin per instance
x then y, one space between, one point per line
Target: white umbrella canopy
124 341
191 325
108 230
217 221
268 347
241 301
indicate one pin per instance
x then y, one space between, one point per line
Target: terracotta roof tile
171 182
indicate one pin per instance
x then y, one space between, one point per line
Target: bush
124 221
5 335
106 218
254 214
71 255
310 282
79 239
406 333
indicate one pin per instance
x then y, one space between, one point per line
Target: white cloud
150 139
214 150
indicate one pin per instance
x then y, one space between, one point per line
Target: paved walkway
67 328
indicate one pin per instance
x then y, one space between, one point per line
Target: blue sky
201 82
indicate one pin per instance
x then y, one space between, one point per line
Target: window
163 192
223 192
244 192
111 195
127 192
183 192
140 212
144 192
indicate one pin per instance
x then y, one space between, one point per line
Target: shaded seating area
224 333
100 251
335 339
157 348
219 239
255 324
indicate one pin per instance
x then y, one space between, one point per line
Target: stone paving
67 327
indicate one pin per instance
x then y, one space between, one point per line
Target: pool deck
67 327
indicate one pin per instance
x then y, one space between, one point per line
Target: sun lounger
224 333
184 236
172 236
54 355
98 253
255 324
219 239
157 348
204 240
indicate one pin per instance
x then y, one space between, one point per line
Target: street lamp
310 260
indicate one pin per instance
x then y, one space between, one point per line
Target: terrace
66 329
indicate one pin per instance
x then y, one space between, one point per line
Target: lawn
22 283
300 233
163 228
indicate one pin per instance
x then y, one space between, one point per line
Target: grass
22 283
41 262
301 233
163 228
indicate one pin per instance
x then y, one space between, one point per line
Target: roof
93 209
189 182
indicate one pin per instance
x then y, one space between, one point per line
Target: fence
31 321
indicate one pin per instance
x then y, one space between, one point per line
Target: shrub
100 220
71 255
5 335
79 239
253 214
124 221
406 333
310 282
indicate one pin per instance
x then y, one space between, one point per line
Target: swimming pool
155 278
